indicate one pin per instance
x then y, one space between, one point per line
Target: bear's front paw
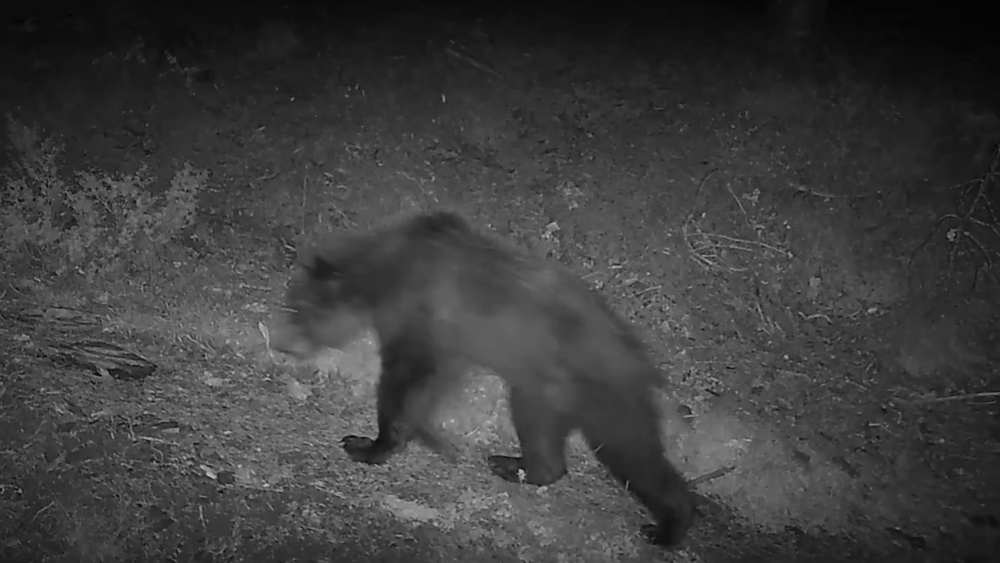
360 448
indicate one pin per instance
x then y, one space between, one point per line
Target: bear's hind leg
541 431
622 428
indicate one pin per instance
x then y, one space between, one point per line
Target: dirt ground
810 251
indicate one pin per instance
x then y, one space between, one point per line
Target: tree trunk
797 28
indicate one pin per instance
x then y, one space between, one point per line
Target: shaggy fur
442 297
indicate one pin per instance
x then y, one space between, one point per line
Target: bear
442 297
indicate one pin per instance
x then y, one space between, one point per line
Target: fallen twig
810 191
705 252
712 475
469 60
960 397
738 242
706 248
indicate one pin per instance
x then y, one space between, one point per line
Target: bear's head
321 311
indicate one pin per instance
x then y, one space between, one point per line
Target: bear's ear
322 270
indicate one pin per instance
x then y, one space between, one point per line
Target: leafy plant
98 220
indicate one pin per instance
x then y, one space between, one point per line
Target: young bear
442 297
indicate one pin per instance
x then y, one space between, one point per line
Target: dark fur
442 297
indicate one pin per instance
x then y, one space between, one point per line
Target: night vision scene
699 282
